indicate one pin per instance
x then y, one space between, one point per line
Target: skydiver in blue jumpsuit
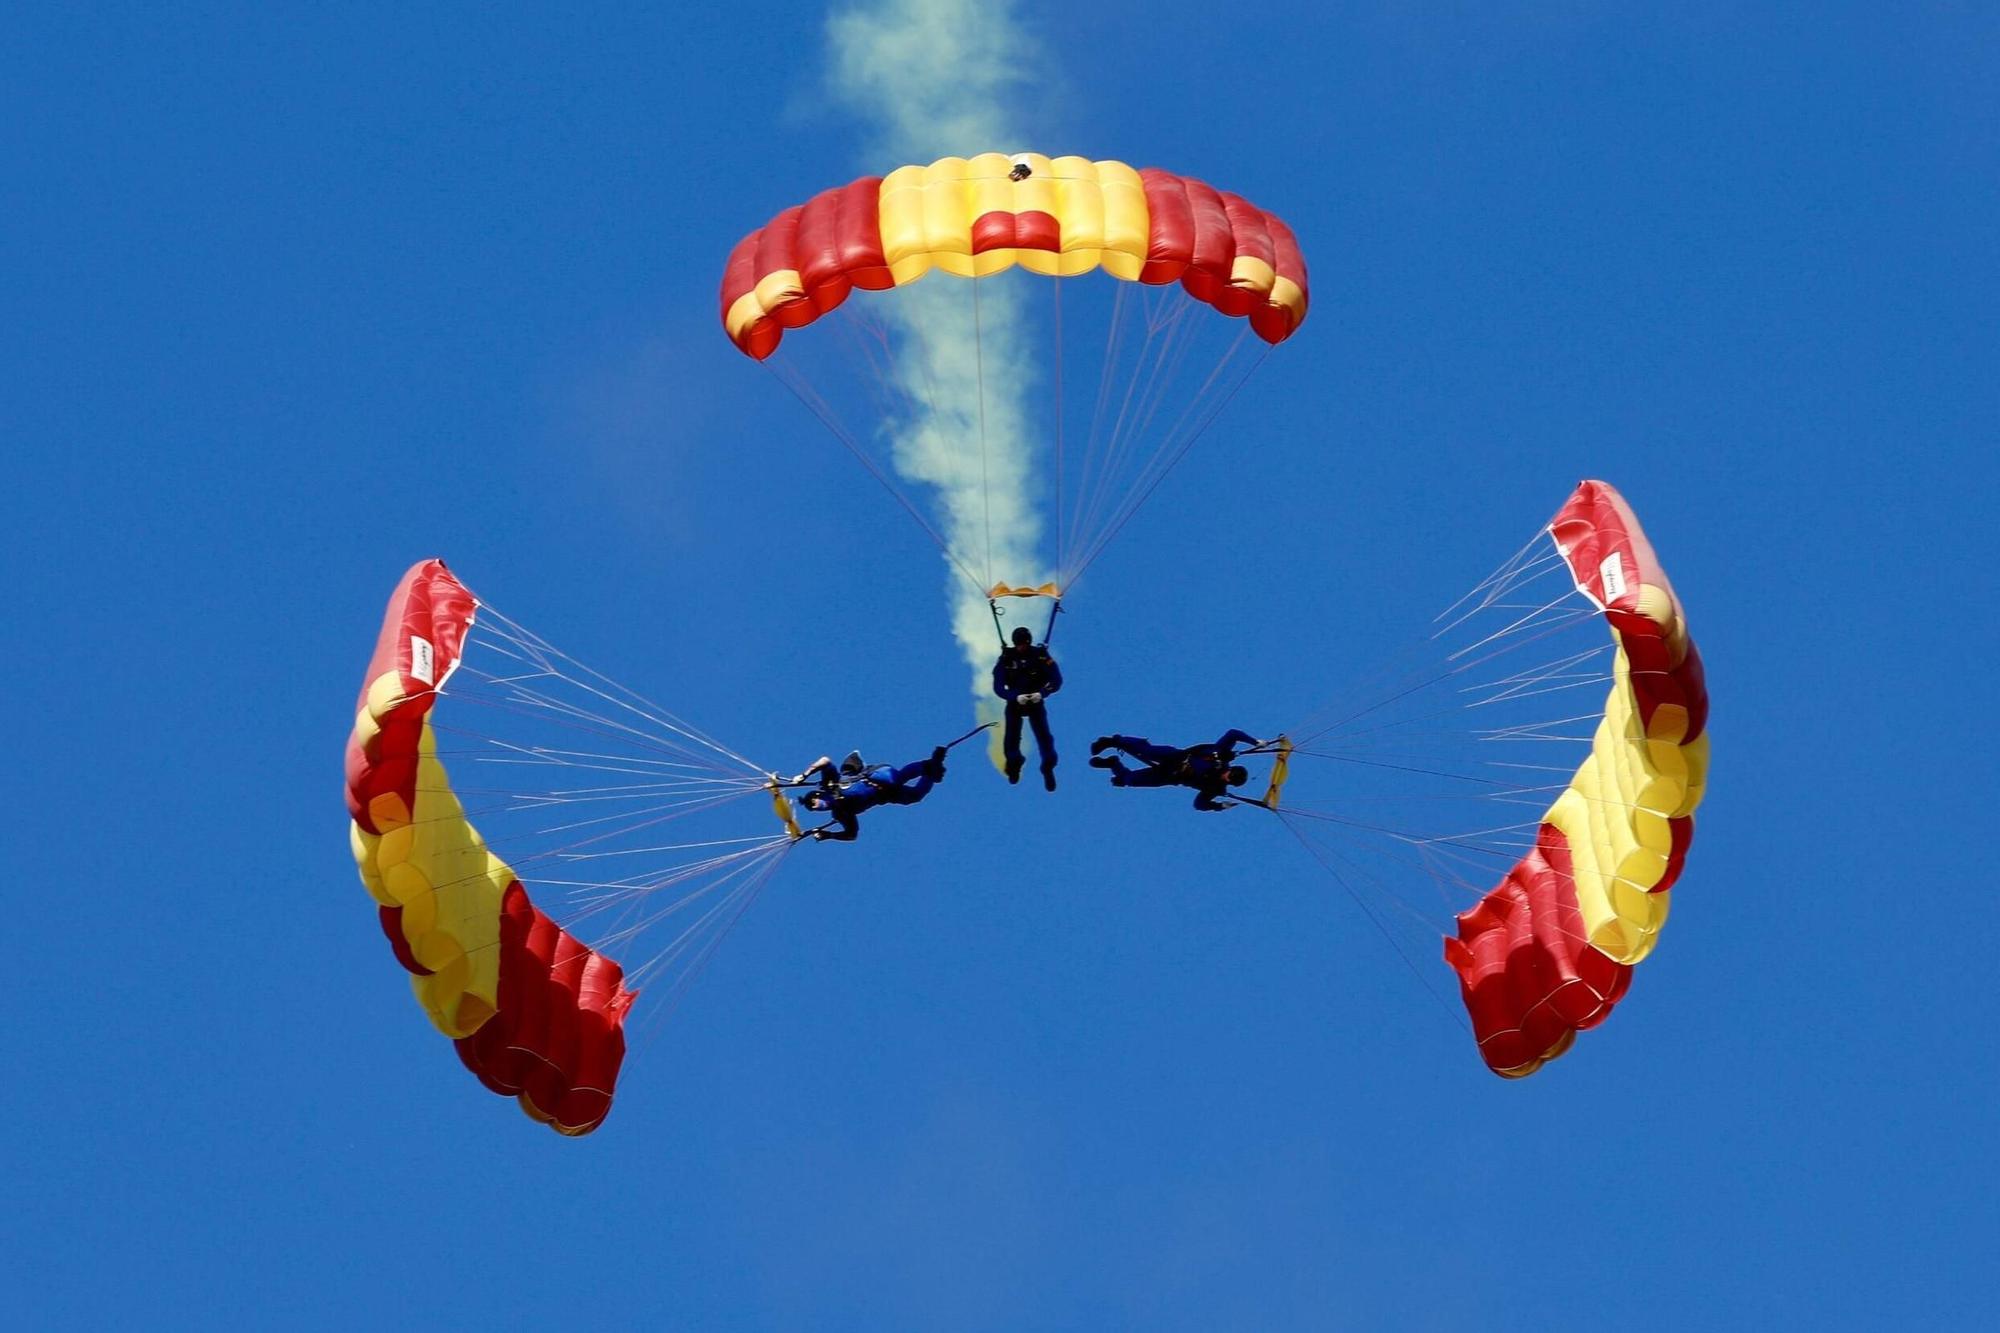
855 787
1209 769
1025 676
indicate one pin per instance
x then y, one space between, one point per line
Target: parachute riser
1000 631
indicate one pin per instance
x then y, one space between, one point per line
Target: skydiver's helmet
1238 775
854 765
1020 171
816 800
1023 636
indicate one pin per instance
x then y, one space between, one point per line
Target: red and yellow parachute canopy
982 215
536 1014
975 388
1550 950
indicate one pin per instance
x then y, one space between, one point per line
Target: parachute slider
1281 746
1280 770
781 805
1048 590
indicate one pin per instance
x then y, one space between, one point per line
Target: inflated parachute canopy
1550 950
535 1014
977 216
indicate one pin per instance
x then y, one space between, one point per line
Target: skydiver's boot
1104 761
1101 744
1048 779
1013 773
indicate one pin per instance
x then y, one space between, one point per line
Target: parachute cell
974 217
1549 951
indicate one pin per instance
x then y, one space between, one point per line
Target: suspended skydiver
854 787
1025 676
1209 769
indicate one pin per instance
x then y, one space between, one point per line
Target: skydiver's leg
1144 750
1143 777
913 782
1010 742
1045 742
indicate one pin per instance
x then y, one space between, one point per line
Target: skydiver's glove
938 754
1028 700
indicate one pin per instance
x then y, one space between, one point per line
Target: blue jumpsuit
1019 671
1202 767
881 785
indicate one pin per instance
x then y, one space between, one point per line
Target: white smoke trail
939 78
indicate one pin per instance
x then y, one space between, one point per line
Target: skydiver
1025 676
1206 768
846 792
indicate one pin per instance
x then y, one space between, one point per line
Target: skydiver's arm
1055 678
823 766
1001 686
1233 738
1207 801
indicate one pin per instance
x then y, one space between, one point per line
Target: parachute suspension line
504 802
1169 335
893 397
629 906
514 754
624 825
1152 357
1323 855
687 956
1114 337
569 853
1055 289
1515 573
817 406
631 701
519 700
600 897
979 378
1488 848
1134 501
1540 632
1406 724
1511 573
1170 325
1172 454
1357 760
1518 571
1439 860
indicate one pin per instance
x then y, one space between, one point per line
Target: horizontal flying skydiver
1210 770
846 792
856 786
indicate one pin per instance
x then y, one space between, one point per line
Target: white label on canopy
422 659
1612 572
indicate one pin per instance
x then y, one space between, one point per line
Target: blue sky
297 298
